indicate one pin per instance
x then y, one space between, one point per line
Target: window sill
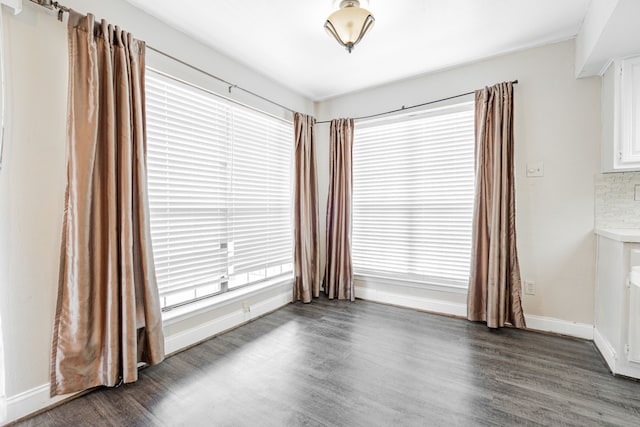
190 310
425 284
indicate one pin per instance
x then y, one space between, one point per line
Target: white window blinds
261 190
219 178
413 187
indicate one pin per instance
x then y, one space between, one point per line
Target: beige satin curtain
494 287
305 222
108 316
338 276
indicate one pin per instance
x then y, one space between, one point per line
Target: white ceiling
285 39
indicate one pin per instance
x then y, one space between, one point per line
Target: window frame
418 281
273 280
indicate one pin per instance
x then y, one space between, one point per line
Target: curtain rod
231 85
61 9
403 108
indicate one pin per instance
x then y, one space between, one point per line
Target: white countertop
627 235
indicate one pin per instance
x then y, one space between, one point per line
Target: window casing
219 177
413 189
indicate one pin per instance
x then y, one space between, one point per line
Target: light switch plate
535 169
637 192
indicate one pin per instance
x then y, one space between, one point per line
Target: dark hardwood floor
364 364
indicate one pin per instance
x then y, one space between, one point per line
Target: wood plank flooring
333 363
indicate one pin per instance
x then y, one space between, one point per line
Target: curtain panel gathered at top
494 287
338 275
306 229
108 316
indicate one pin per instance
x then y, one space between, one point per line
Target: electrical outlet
529 287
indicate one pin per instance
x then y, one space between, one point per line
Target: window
413 189
219 192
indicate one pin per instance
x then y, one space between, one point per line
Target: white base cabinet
617 309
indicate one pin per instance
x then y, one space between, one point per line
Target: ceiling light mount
349 24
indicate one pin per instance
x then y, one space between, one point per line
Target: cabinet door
628 114
634 321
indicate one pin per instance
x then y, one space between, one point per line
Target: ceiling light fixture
349 24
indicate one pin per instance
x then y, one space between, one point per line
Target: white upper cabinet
627 116
621 116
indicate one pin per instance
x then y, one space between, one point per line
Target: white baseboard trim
38 398
558 326
536 323
218 325
628 370
418 303
606 349
618 364
30 401
191 336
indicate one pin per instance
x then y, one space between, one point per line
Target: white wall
32 179
557 121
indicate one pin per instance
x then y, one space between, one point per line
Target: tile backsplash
615 203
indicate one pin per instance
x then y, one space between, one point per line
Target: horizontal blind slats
413 195
219 178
